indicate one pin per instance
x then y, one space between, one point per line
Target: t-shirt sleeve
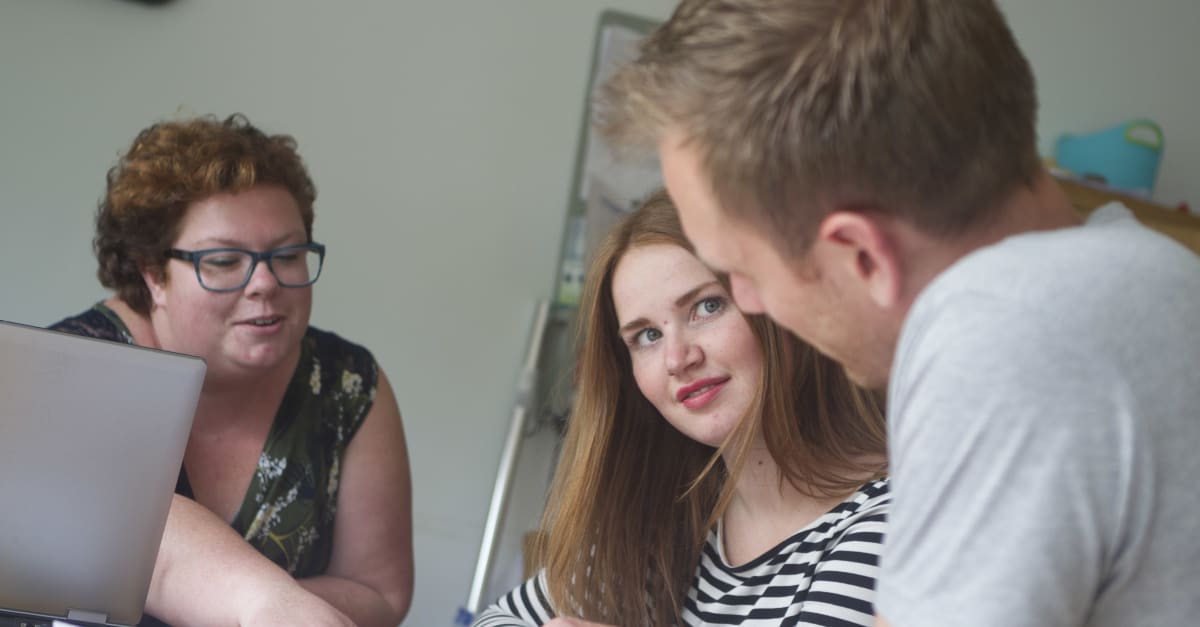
528 605
1005 473
843 584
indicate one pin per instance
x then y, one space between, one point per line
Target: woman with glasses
293 505
715 470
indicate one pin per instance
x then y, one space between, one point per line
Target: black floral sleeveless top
289 508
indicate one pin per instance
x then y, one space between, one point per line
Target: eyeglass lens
223 270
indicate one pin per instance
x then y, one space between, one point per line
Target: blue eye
709 307
647 336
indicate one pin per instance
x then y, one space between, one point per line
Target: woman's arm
370 574
206 574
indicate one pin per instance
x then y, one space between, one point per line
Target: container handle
1140 139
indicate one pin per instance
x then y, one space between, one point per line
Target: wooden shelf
1183 227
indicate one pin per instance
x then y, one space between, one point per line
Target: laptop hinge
87 617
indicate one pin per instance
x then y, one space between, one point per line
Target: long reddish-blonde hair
633 499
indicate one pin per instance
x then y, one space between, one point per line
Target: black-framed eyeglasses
229 269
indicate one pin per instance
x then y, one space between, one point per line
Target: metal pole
508 460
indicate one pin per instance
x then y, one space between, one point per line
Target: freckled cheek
724 342
649 383
741 347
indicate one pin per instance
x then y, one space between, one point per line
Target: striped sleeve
527 605
823 575
842 590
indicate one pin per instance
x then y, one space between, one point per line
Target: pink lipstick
701 393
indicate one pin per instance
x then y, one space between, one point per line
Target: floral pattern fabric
290 506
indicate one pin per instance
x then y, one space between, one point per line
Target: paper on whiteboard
627 177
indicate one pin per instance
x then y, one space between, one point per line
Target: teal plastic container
1125 156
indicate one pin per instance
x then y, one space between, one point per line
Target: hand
289 605
574 622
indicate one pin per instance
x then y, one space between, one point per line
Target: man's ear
156 282
860 246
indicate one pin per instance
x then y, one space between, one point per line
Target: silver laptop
92 435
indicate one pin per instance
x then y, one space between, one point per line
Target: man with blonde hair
867 173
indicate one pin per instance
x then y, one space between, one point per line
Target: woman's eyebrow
679 302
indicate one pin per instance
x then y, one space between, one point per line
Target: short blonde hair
922 109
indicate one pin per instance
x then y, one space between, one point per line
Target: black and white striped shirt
823 574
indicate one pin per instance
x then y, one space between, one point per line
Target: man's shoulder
1091 279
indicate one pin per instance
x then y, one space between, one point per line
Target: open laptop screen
92 435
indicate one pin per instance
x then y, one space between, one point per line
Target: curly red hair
171 165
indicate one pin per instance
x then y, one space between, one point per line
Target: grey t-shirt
1045 436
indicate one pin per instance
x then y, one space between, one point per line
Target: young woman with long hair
714 468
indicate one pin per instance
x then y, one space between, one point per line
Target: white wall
1100 62
440 133
441 136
